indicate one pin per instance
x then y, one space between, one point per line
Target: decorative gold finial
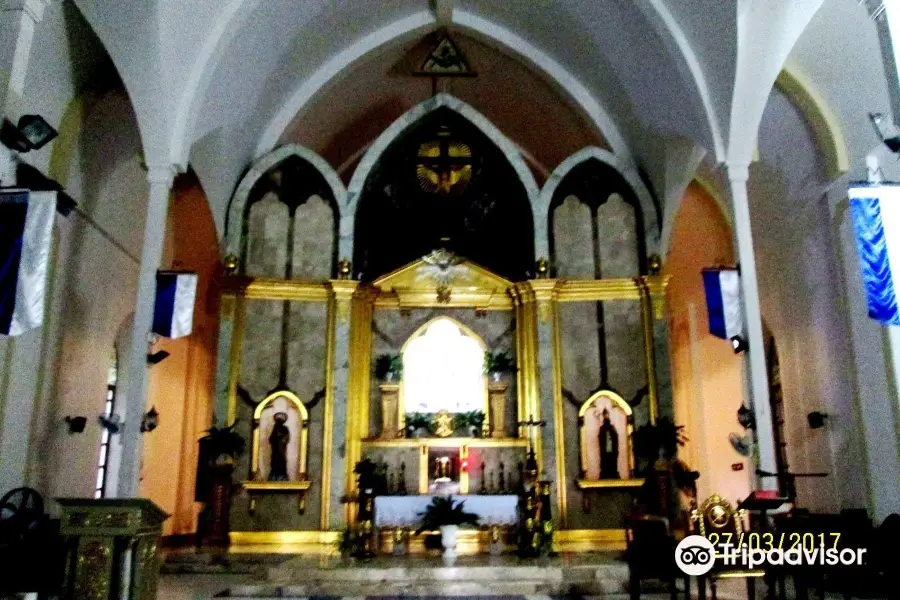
344 269
655 264
543 268
231 264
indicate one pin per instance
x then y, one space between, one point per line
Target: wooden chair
651 555
717 516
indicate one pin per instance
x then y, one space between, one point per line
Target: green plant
660 440
371 476
223 441
465 420
418 420
498 362
389 364
347 541
442 512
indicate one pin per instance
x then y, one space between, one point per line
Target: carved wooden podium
113 548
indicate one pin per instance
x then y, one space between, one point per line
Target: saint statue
278 440
609 448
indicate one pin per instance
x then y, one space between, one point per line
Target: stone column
20 356
133 388
336 446
756 376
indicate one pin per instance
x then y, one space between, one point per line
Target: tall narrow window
110 407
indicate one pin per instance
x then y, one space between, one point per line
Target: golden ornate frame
351 305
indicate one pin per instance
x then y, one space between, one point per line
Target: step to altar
301 577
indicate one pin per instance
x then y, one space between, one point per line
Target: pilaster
549 392
341 423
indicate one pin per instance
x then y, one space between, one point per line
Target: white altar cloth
403 511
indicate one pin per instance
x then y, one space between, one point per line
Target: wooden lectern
112 548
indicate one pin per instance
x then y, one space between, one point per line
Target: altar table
403 511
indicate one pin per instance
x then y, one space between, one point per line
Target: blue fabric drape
873 256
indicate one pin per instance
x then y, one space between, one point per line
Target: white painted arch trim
421 22
555 71
629 174
401 125
233 16
416 23
413 116
668 21
262 166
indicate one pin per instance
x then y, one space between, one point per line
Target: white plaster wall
801 304
61 369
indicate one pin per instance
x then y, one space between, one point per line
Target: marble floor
591 576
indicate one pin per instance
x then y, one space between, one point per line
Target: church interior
512 296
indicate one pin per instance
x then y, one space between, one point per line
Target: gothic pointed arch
287 200
445 177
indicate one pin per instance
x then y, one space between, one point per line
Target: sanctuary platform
283 576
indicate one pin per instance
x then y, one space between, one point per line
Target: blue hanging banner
26 234
173 313
723 302
876 217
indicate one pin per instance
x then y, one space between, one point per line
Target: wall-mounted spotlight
31 133
739 344
816 419
150 421
886 130
154 358
112 423
76 424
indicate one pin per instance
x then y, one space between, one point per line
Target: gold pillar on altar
390 410
497 404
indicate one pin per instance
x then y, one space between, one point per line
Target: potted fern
498 363
446 516
389 367
471 423
418 424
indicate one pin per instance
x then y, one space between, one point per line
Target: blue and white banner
173 314
876 217
723 302
26 235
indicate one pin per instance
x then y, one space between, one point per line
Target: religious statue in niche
605 424
279 440
609 448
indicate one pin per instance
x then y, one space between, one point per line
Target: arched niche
296 420
590 430
593 211
442 362
303 183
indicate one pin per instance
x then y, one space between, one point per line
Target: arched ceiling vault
217 83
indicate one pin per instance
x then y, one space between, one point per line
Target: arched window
443 368
112 378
